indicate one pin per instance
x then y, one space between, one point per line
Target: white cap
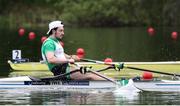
54 24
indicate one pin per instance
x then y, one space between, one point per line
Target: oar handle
93 61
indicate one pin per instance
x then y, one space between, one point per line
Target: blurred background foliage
93 13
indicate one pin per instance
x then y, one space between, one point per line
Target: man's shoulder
48 41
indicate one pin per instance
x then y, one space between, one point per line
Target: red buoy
147 75
108 60
151 31
80 52
174 35
21 31
43 38
62 43
32 36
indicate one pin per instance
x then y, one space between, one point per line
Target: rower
57 60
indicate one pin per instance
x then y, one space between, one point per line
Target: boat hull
159 85
26 82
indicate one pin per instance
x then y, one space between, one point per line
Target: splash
129 91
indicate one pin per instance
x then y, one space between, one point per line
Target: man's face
59 32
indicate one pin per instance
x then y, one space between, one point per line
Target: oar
93 61
153 71
102 76
74 71
60 76
120 66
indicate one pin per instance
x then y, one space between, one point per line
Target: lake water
58 97
120 44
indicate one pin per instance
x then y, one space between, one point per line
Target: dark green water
57 97
120 44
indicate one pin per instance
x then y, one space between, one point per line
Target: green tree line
90 12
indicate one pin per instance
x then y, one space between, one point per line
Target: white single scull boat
157 85
143 85
30 82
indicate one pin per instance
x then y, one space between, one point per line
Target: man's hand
71 61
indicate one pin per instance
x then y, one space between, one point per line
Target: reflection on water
58 97
53 97
9 96
165 98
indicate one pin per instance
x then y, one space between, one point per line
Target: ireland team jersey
52 45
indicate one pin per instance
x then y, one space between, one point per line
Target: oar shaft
140 69
93 61
105 69
61 76
102 76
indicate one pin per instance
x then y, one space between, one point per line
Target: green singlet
53 45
